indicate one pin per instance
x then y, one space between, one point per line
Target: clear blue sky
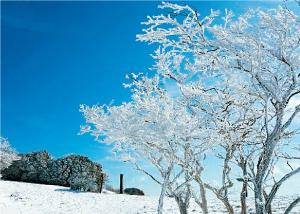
58 55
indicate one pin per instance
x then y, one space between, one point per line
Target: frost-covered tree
262 47
7 154
153 128
233 80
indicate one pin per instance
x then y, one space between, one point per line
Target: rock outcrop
134 191
73 171
28 167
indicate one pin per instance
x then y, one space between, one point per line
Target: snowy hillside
18 197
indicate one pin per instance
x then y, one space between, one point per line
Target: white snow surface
20 197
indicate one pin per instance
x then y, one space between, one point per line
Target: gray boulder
134 191
73 171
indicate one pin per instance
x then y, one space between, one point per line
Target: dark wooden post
121 183
102 182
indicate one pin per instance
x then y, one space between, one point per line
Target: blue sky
58 55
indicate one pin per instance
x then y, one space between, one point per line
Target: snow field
28 198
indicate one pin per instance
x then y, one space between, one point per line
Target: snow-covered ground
19 197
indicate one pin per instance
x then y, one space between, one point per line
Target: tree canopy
235 81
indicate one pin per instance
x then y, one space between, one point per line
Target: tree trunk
203 202
262 168
224 200
161 198
183 200
244 194
259 202
227 205
269 208
165 184
203 198
182 205
264 162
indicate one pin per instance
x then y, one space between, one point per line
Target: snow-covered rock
73 171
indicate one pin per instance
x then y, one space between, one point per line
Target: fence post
102 182
121 183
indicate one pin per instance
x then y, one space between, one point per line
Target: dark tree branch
277 186
292 205
297 92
